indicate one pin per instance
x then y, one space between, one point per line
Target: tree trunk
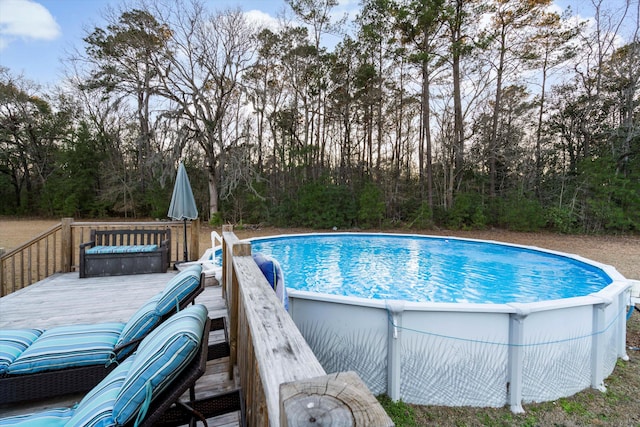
426 132
539 130
493 141
458 129
213 189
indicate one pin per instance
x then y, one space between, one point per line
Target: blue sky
36 35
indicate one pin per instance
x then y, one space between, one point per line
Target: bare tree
206 57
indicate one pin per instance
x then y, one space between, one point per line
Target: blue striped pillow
67 346
96 408
49 418
181 285
160 358
144 320
13 342
121 249
99 250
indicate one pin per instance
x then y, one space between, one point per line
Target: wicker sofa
37 364
121 252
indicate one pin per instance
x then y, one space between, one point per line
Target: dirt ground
622 252
617 407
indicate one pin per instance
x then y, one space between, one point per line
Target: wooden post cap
340 399
242 249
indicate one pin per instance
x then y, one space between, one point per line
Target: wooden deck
65 299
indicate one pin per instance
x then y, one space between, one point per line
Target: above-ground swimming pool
456 322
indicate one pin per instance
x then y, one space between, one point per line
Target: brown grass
622 252
617 407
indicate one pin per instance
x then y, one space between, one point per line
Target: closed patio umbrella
183 205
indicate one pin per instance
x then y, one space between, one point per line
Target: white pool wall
461 354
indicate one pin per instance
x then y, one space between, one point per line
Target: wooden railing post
226 261
1 273
337 399
239 249
67 245
194 247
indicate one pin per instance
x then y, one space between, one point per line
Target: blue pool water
427 269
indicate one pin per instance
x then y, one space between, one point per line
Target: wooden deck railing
282 382
57 249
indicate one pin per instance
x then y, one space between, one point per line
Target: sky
36 35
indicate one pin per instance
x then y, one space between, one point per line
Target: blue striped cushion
48 418
162 355
13 342
179 287
96 408
67 346
121 249
145 319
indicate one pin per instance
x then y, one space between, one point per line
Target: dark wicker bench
120 252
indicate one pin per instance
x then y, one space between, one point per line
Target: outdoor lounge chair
37 364
142 388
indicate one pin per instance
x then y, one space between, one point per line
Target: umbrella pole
185 241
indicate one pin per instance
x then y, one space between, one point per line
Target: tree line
422 113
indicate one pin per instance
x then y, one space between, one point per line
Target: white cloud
261 19
26 19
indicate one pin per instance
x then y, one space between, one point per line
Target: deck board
64 299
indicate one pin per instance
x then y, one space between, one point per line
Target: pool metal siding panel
449 356
468 354
345 340
557 349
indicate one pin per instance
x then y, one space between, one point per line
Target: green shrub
246 204
468 212
325 205
612 201
371 212
216 219
423 217
158 200
607 215
562 219
520 213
